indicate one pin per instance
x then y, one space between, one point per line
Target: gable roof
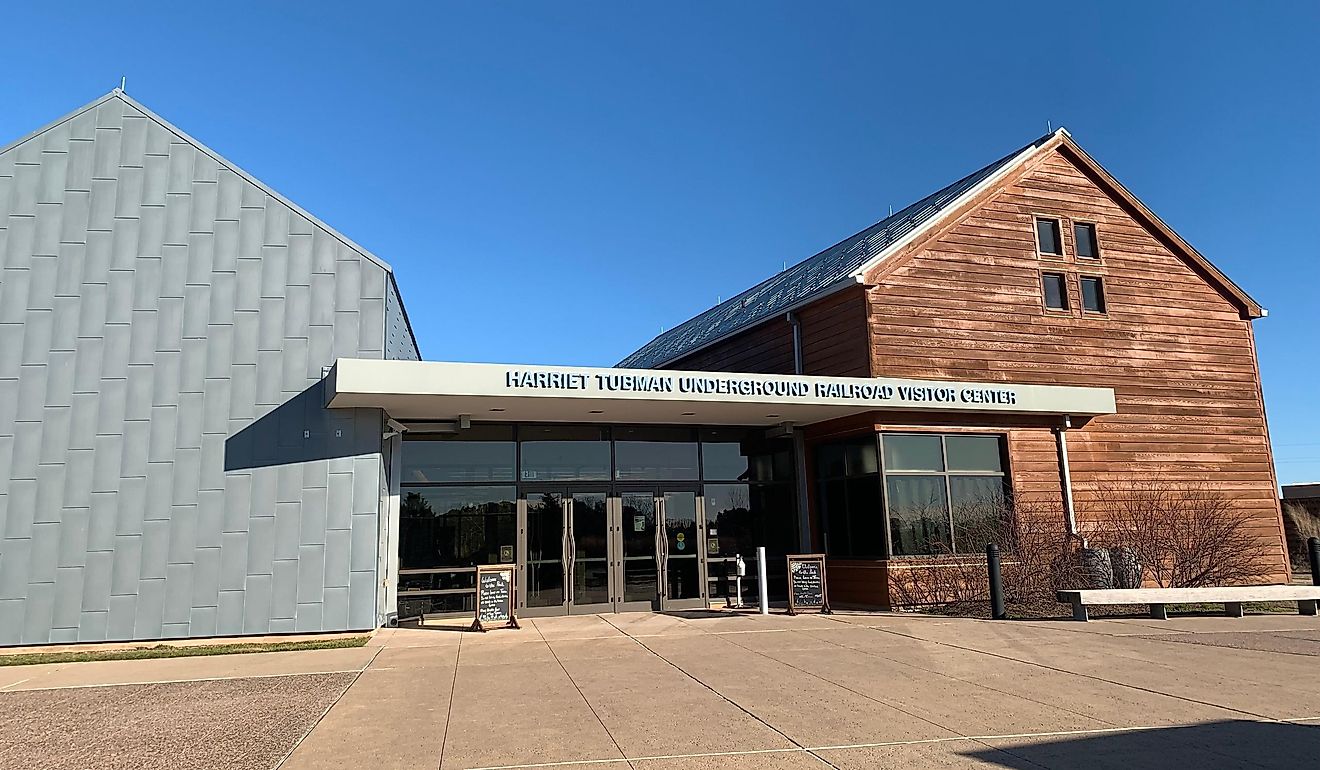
847 263
170 127
837 267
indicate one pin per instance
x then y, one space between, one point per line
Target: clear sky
554 183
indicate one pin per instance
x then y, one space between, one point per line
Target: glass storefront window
974 453
918 514
848 489
481 453
913 453
564 453
739 454
941 493
456 526
655 454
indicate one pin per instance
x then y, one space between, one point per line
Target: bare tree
1184 535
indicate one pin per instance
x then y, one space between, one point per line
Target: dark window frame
1101 295
1036 220
1005 474
1063 292
1095 240
877 478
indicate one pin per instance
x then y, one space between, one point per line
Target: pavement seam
1193 640
327 710
1074 673
449 707
960 679
583 695
861 694
724 697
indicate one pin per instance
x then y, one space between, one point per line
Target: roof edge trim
821 293
859 275
957 203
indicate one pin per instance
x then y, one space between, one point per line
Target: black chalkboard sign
495 596
806 583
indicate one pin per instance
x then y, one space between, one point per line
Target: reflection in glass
455 526
482 453
640 582
560 453
591 565
739 517
682 567
974 453
918 514
979 511
654 453
913 453
545 565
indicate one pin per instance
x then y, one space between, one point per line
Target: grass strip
189 651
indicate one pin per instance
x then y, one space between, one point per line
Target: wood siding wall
834 342
1178 353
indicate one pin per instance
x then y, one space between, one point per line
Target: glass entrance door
681 557
568 555
639 544
589 554
584 551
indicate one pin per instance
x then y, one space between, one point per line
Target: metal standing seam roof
838 265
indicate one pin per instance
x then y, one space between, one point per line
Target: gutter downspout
796 323
800 445
1070 512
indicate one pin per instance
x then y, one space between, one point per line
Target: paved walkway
704 690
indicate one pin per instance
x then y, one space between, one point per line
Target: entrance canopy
431 390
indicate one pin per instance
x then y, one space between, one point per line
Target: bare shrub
1184 535
1036 554
1300 523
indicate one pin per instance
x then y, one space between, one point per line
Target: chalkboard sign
495 596
806 583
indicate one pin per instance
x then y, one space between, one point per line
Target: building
214 419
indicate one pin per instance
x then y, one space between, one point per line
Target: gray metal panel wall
167 466
399 341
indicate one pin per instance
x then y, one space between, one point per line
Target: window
1087 245
943 492
483 453
655 453
848 487
564 453
1055 286
1047 236
1093 294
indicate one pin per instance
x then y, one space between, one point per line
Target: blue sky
556 183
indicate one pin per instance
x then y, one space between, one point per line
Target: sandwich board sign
807 589
495 596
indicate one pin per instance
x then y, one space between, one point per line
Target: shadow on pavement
1210 746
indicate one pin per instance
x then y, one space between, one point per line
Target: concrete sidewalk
709 690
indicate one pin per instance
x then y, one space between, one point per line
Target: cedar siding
834 342
964 302
1178 351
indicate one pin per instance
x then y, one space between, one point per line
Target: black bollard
996 583
1313 547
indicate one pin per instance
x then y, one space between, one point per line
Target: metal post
1313 547
738 570
996 583
760 580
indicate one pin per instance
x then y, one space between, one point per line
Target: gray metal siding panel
163 327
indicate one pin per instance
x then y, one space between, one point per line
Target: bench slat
1270 593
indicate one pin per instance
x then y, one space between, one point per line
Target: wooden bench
1232 597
